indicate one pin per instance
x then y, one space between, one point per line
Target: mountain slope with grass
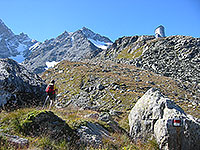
173 56
94 100
99 84
109 86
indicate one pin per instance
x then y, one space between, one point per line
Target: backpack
50 89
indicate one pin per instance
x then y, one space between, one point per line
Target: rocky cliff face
82 44
14 46
174 56
18 86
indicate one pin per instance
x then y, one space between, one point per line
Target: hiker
51 91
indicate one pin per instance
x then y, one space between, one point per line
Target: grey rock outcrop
14 141
113 125
81 100
74 46
131 45
92 134
12 45
18 86
152 116
95 36
174 56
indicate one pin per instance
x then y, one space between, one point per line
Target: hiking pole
51 102
45 101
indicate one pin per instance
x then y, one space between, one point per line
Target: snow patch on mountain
21 49
72 39
51 64
13 46
100 44
36 45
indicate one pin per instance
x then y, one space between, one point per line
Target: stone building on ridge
159 31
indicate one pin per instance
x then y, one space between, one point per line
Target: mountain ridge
172 56
13 46
22 49
74 46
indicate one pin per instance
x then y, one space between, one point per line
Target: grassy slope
10 123
133 83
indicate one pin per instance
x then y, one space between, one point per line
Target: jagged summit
13 46
98 40
95 36
72 46
4 30
64 35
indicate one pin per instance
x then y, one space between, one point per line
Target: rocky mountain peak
88 33
64 35
13 46
95 36
4 30
73 46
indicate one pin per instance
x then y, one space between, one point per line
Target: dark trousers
52 97
49 100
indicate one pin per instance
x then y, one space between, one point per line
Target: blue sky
45 19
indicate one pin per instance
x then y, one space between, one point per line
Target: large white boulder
153 116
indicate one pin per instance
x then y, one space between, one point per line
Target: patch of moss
30 116
124 54
105 125
10 121
138 53
78 123
27 121
75 121
134 54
